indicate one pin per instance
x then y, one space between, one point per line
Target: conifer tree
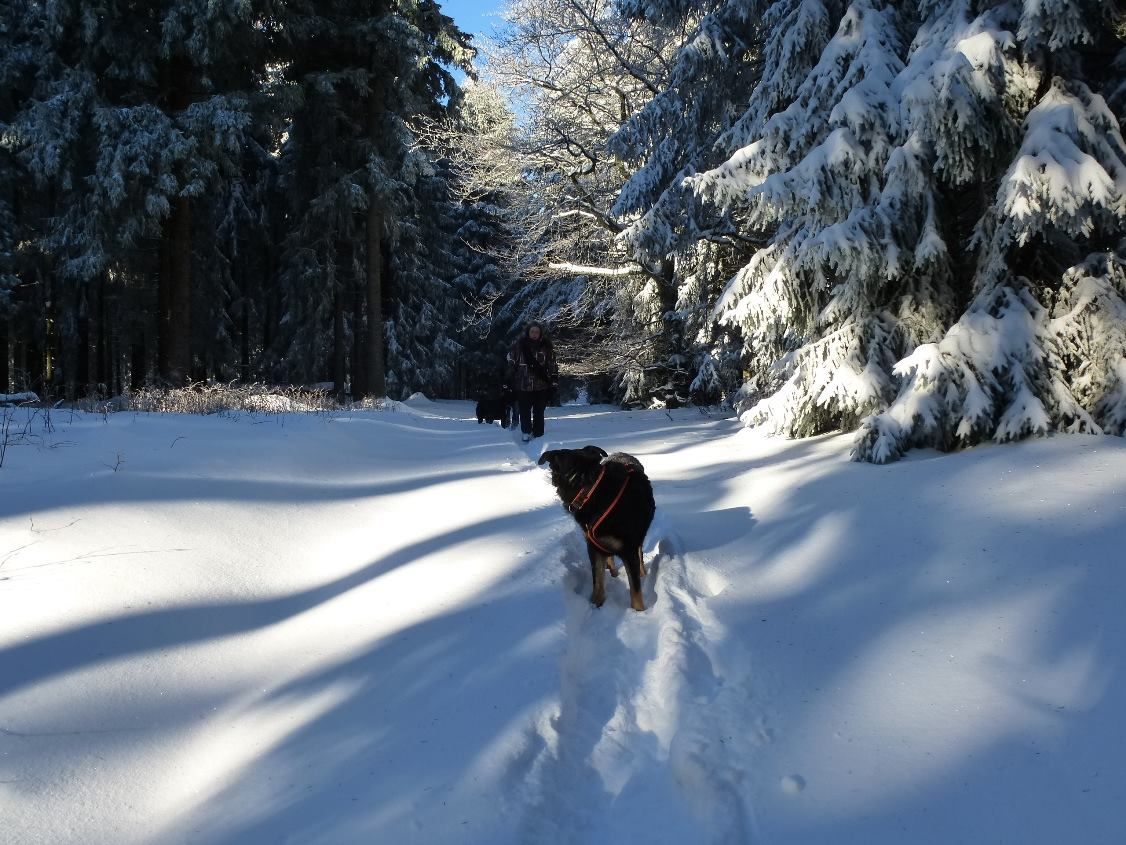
929 171
1039 345
16 69
427 288
364 70
162 166
136 114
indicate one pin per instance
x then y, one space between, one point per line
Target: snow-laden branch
582 269
562 215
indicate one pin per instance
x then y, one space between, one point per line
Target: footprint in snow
793 784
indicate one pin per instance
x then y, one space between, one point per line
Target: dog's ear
547 457
596 453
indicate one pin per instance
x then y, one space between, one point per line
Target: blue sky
475 16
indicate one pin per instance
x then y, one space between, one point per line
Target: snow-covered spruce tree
853 274
364 72
1088 326
17 62
688 255
138 113
874 173
427 289
322 181
1040 345
429 44
481 280
235 276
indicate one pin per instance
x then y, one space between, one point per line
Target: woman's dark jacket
531 365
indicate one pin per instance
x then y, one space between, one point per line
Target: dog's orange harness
586 493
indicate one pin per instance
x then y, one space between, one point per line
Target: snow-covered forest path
642 708
375 627
319 629
640 713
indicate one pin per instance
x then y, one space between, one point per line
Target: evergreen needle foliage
900 218
906 219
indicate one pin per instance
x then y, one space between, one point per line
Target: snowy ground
374 628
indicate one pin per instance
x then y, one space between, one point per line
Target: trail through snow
375 627
642 708
638 714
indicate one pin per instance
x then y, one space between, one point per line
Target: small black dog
503 409
611 498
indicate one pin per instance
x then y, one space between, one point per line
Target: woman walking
533 374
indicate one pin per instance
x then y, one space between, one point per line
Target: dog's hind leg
635 569
610 565
598 564
641 557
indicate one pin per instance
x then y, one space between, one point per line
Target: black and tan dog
611 498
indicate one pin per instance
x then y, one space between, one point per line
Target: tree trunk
70 343
671 344
359 343
244 329
33 366
5 372
176 238
82 377
376 369
271 290
103 354
377 380
137 365
163 302
339 346
50 355
176 299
